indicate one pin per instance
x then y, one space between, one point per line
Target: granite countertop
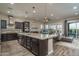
38 35
34 35
6 32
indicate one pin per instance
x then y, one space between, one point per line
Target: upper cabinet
3 24
26 26
18 25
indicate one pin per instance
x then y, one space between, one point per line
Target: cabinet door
19 39
3 37
35 46
24 41
43 47
28 43
18 25
26 27
9 37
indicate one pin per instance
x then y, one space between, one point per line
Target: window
46 26
52 26
77 30
56 27
73 29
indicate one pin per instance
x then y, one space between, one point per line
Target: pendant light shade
34 11
45 18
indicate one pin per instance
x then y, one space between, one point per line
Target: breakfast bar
38 44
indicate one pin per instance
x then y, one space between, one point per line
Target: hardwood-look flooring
65 51
66 48
12 48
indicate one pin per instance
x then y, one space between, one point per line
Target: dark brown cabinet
43 47
28 43
36 46
3 37
18 25
8 37
26 26
21 40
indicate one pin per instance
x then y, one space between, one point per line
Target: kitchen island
38 44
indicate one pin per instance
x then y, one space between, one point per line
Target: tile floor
12 48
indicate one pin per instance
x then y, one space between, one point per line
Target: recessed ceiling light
8 11
34 11
52 15
76 13
26 16
75 7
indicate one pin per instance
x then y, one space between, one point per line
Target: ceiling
59 10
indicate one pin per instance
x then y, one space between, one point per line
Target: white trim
50 52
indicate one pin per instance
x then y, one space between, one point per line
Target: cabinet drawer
35 41
3 37
35 49
35 46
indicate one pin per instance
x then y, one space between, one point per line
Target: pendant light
45 18
10 16
34 11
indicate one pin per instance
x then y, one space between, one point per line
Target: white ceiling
59 10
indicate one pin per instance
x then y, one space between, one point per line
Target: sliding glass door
77 30
73 29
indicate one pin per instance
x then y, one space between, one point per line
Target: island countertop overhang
39 35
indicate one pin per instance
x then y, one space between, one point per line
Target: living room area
70 39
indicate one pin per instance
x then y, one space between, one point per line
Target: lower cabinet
20 37
8 37
36 46
3 37
28 43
